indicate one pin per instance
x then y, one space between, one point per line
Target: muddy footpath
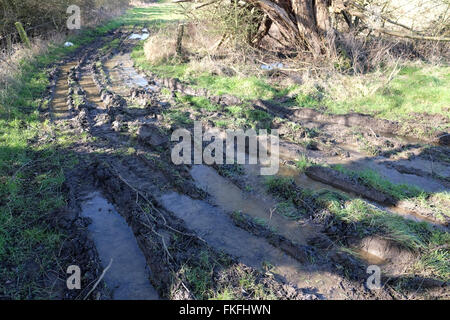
143 228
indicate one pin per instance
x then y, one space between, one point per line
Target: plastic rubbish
68 44
136 36
272 66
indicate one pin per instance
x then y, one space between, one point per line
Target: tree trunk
301 22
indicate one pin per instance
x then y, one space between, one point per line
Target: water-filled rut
123 75
231 199
128 275
215 226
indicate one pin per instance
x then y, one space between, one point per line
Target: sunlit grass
416 89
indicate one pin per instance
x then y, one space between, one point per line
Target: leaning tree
300 22
309 23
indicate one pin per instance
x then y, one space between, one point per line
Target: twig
204 4
99 279
141 195
189 292
412 36
138 193
271 212
20 169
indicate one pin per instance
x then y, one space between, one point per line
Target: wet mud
151 217
60 104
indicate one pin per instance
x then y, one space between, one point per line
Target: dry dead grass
160 48
10 62
142 3
200 47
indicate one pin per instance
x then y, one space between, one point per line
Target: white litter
136 36
68 44
279 65
145 30
272 66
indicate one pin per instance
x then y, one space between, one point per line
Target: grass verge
33 158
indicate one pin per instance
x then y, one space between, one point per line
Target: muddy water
216 227
369 257
128 275
92 93
123 75
303 181
231 199
404 139
59 103
407 214
359 161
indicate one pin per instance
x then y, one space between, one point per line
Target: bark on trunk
300 22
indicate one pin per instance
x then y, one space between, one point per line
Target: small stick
99 279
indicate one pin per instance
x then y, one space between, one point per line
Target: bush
40 17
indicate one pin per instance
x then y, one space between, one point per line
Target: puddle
216 227
303 181
59 102
407 214
231 199
405 139
128 276
370 258
141 37
123 75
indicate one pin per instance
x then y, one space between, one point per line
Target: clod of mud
364 121
343 182
151 135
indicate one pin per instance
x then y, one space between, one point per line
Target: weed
303 163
